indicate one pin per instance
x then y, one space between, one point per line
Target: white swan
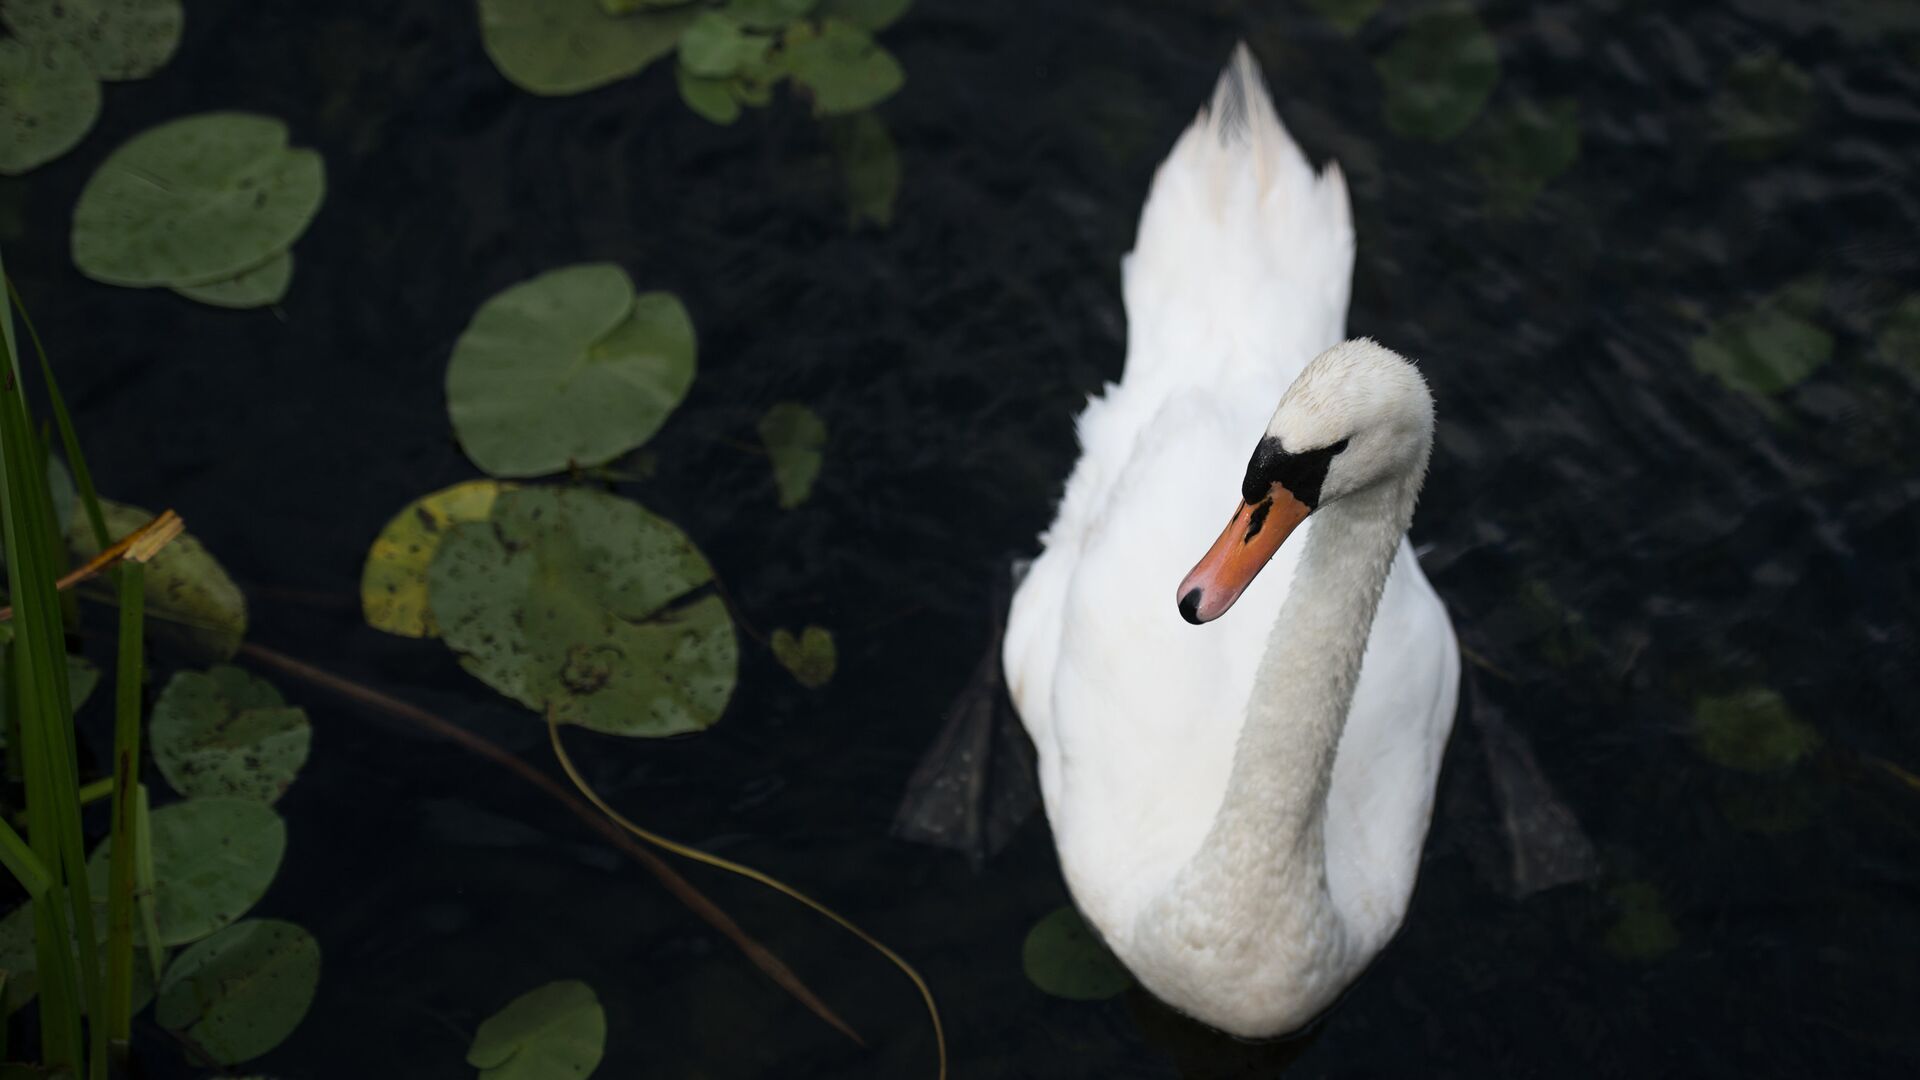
1239 866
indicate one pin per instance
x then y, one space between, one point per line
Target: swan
1239 805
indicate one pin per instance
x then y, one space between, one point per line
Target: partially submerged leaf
869 165
558 1030
227 733
795 438
1438 74
809 658
264 284
1063 957
121 39
555 47
212 861
1771 347
241 992
192 601
841 66
49 100
393 583
1752 730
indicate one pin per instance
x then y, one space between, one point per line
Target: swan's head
1358 417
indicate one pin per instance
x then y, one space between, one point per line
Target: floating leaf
1751 730
1438 74
1523 147
1764 105
241 992
195 604
1644 931
710 98
869 165
264 284
121 39
557 1030
1348 15
1065 958
809 657
768 14
843 68
865 14
49 100
555 47
569 368
575 600
227 733
212 860
393 583
794 436
1771 347
717 45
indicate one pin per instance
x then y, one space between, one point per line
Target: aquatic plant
555 1030
60 52
794 437
1438 74
1770 347
1063 957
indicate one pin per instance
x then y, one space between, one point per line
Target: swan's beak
1255 533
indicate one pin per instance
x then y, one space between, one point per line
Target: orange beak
1255 533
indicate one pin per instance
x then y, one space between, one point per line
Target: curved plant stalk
748 872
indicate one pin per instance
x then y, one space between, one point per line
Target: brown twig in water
762 957
139 546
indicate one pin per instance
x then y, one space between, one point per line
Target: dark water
1618 535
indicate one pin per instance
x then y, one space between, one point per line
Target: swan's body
1244 870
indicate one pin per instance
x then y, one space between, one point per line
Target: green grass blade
69 439
143 871
126 810
22 863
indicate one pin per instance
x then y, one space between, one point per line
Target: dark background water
1616 533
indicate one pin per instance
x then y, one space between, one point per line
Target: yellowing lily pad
1438 74
1771 347
195 201
841 67
809 657
567 369
121 39
577 601
190 600
1064 957
241 992
869 166
795 438
228 733
49 100
393 583
1751 730
212 860
555 47
558 1030
264 284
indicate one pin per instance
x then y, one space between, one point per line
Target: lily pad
1771 347
1438 74
869 166
1063 957
121 39
48 102
241 992
1751 730
841 66
770 14
866 14
567 369
1348 15
554 1031
711 98
393 583
1644 930
795 438
555 47
1527 145
264 284
577 601
717 45
196 200
226 733
212 861
193 601
810 657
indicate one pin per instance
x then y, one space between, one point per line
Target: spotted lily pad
1438 74
228 733
1065 958
795 438
557 1030
577 601
393 583
121 39
195 201
1751 730
555 47
48 102
866 14
263 285
1771 347
809 657
241 992
869 166
841 67
192 601
212 860
569 368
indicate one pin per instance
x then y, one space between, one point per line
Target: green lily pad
795 438
121 39
555 47
809 658
868 15
1064 957
711 98
841 66
1899 340
241 992
1438 74
577 601
567 369
768 14
1764 105
557 1030
1771 347
1644 930
263 285
869 166
228 734
191 601
717 45
1348 15
1523 147
212 861
1752 730
49 100
195 201
393 583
